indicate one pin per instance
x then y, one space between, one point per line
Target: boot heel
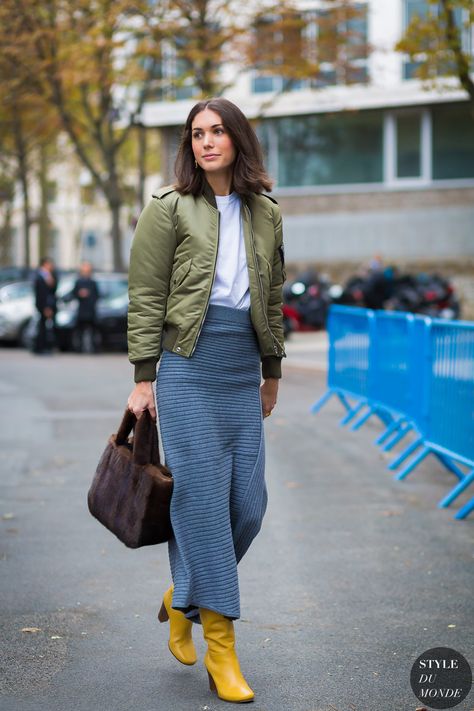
212 683
163 613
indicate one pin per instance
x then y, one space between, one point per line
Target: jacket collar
208 193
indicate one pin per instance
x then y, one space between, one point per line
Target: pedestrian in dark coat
45 300
86 292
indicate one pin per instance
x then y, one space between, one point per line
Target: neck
220 183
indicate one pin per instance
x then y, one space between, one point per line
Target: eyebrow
198 128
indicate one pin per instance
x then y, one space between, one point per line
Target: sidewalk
307 351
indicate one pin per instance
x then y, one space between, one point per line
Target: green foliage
439 41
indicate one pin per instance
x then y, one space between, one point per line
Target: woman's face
212 146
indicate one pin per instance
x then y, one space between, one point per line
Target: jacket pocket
179 274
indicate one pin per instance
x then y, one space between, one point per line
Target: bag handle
146 448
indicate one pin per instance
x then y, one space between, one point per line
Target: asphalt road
352 577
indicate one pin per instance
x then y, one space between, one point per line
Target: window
408 145
340 37
453 142
333 41
330 149
424 9
173 74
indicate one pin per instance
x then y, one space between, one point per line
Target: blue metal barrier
393 385
417 375
448 431
351 340
348 330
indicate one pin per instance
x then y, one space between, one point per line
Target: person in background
45 300
86 292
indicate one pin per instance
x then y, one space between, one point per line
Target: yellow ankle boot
221 661
180 643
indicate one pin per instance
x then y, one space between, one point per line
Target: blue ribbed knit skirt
211 425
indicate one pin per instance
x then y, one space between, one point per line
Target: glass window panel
264 83
418 8
330 149
357 33
408 146
453 142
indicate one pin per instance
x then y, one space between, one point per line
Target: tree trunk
116 237
141 165
23 177
6 252
453 35
44 230
114 198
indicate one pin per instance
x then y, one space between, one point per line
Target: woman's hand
269 392
141 398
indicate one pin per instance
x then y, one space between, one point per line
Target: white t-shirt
231 282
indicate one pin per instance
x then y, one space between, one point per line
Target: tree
270 37
94 61
438 41
27 127
97 63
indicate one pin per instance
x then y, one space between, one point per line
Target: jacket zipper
212 283
276 345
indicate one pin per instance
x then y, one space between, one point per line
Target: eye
219 130
197 134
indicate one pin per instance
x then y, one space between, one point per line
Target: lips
211 155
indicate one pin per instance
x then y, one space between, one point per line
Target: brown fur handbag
131 491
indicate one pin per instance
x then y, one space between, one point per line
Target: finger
152 412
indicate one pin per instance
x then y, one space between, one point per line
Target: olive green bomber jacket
172 267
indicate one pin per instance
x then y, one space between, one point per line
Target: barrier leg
458 489
393 427
399 436
465 510
406 453
373 410
353 412
450 465
344 401
414 463
322 401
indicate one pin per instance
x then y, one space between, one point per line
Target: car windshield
110 288
17 290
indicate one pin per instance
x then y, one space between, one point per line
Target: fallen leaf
451 625
292 484
55 636
30 629
8 516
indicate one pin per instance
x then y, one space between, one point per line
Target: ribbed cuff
145 370
271 367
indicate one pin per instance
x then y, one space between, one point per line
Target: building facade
382 165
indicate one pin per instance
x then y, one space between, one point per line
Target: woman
205 286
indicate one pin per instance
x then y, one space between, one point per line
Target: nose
208 141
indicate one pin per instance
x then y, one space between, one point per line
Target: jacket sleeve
151 260
271 365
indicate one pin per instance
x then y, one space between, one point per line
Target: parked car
25 320
111 323
9 274
17 305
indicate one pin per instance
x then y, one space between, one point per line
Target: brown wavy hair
249 174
